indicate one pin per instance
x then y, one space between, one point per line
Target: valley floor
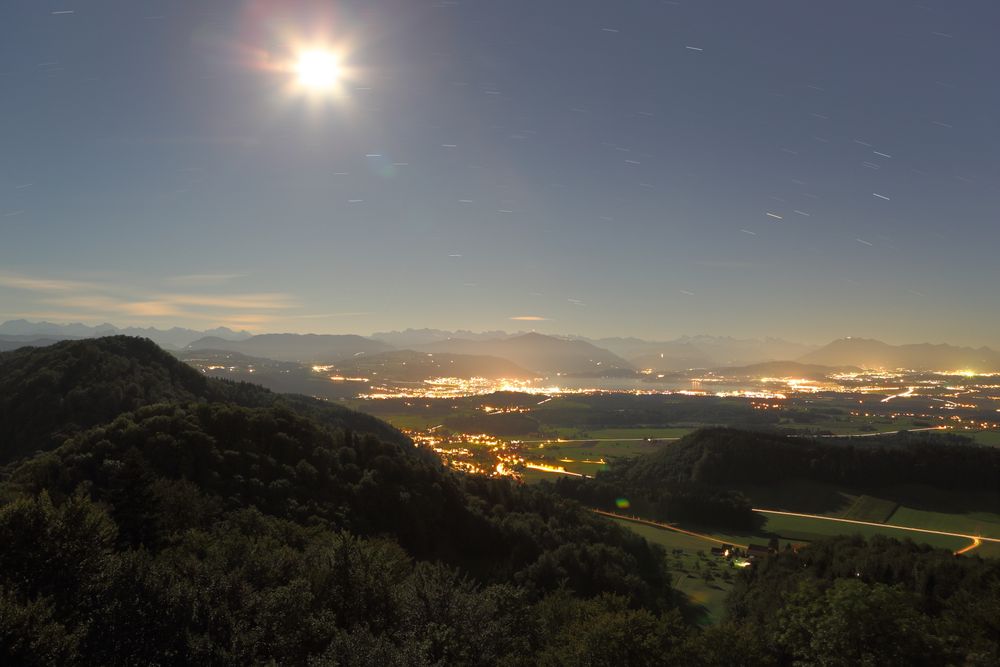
703 579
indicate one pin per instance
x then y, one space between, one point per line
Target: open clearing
809 529
991 438
869 508
986 524
690 560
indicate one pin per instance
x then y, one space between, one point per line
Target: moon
318 70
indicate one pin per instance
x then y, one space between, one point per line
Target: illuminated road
556 470
874 434
559 441
975 543
905 394
665 526
975 539
792 435
871 435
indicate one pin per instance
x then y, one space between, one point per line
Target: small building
758 550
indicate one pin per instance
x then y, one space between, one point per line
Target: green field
798 530
869 508
986 524
854 425
689 559
689 562
807 530
991 438
898 505
668 539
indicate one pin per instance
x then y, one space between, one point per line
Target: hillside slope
869 353
174 338
712 476
723 456
47 394
540 353
785 369
303 348
411 366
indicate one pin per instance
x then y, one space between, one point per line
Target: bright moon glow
318 70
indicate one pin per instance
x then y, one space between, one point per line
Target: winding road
974 540
665 526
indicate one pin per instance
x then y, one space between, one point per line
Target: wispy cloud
22 282
262 301
82 300
107 306
529 318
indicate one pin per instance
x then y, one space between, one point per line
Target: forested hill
701 477
167 469
722 456
49 393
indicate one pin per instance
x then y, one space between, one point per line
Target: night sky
806 170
